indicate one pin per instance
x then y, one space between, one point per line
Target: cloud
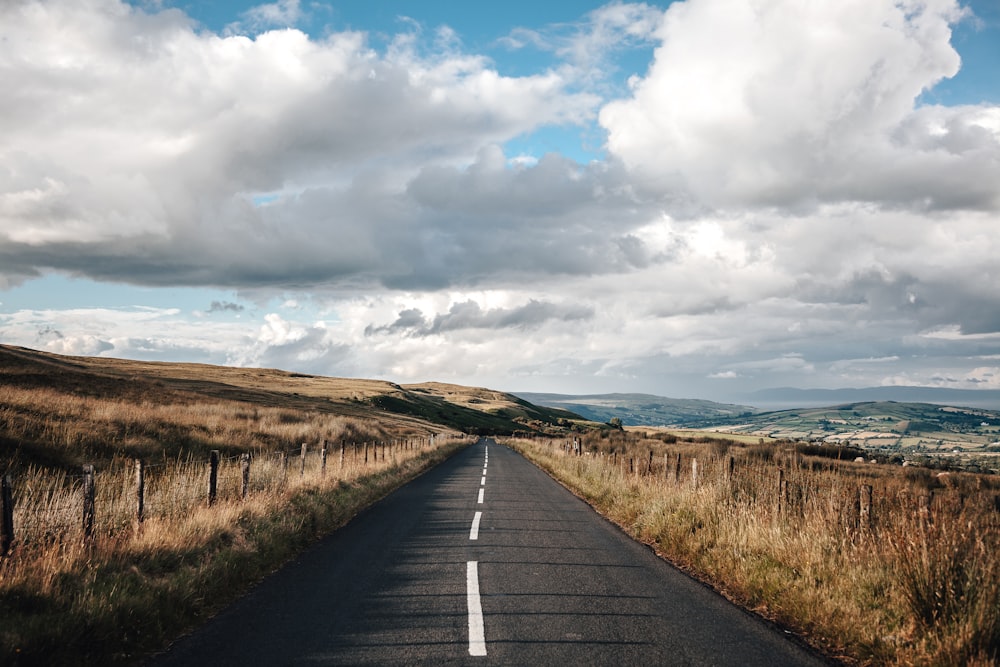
585 47
225 307
281 14
409 320
471 315
793 103
776 206
79 345
135 147
289 345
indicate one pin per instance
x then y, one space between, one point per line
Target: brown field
910 577
61 412
68 599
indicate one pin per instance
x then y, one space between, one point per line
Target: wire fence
40 507
851 498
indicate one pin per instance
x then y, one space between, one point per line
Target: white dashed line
474 533
477 634
481 492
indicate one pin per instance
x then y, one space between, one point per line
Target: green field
917 432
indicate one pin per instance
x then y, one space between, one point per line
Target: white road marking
474 533
483 482
481 492
477 634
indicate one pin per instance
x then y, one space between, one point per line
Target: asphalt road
483 560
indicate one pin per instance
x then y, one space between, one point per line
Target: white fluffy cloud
784 102
135 146
777 205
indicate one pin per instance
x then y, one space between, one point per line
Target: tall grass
789 536
64 600
64 428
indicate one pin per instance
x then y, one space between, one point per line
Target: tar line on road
450 569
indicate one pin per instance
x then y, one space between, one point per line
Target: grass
58 410
785 535
132 588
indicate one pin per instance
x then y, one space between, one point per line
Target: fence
854 498
855 553
41 507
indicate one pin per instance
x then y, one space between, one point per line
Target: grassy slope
27 430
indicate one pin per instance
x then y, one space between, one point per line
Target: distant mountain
789 398
641 409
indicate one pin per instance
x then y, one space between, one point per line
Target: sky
696 199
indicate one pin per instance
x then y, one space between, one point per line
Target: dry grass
61 411
133 587
74 429
787 536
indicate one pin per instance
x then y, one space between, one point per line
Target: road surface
484 560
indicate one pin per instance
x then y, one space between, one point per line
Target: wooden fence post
677 469
140 493
694 474
781 490
322 460
89 494
649 466
244 474
342 446
302 465
213 476
730 469
6 515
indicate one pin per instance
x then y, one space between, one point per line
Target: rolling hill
641 409
782 398
967 437
55 408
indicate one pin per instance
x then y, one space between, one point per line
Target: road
484 560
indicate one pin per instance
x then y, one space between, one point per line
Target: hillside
641 409
784 398
56 409
969 437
